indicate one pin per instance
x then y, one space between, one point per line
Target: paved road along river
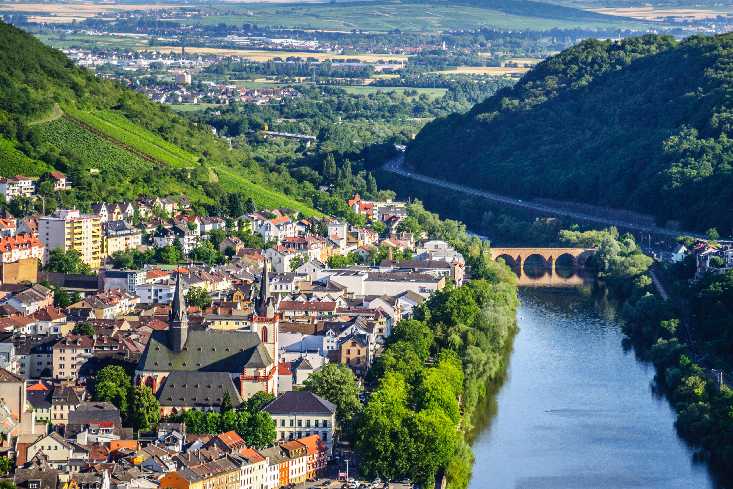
577 411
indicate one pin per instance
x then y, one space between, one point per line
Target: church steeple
178 319
264 302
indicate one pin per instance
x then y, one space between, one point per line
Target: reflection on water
576 409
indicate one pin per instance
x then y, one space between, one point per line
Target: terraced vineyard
122 130
90 150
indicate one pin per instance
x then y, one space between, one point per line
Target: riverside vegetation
685 337
433 373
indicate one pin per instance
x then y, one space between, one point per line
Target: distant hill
643 124
114 143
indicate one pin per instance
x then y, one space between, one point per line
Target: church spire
264 294
178 319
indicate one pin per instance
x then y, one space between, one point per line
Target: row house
114 212
17 186
21 247
120 236
69 354
8 227
301 309
109 304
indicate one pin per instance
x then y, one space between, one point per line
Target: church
191 368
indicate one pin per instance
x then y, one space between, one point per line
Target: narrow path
396 165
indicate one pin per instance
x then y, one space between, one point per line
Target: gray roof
206 351
300 402
198 389
95 412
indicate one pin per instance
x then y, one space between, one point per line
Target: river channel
577 410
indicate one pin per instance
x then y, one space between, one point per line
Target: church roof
206 351
198 389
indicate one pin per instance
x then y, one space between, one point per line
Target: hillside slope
115 144
642 124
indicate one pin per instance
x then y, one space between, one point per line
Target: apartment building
71 230
17 186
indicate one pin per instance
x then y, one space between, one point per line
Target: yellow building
203 471
120 236
71 230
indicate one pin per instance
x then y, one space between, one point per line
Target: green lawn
390 15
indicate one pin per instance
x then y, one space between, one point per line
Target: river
577 410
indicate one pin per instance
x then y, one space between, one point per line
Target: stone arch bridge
517 257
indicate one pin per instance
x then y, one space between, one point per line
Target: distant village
264 320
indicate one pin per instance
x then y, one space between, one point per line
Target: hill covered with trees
114 144
643 124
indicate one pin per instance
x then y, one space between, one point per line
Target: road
396 165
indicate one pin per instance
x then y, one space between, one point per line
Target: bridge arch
511 261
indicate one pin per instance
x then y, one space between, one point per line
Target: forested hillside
115 144
644 124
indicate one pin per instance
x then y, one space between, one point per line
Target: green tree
145 408
61 261
712 234
206 252
260 431
226 404
113 384
198 297
337 383
6 465
258 401
84 328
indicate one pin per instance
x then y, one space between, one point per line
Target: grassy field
654 14
388 15
13 162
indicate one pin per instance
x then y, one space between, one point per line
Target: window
300 423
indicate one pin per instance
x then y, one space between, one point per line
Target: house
17 186
9 227
69 354
31 299
228 442
37 474
254 473
302 413
355 351
104 305
203 469
317 456
235 244
120 236
34 355
298 466
64 400
171 436
101 419
56 450
21 247
285 283
361 207
59 181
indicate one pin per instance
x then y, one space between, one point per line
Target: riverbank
434 372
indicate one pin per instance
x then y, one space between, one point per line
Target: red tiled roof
251 455
283 368
38 386
19 241
231 439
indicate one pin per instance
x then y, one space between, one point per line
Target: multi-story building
71 230
69 354
302 413
120 236
21 247
17 186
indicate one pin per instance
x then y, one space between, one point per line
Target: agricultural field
91 150
263 55
386 16
485 70
656 14
232 181
119 128
192 107
13 162
87 41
